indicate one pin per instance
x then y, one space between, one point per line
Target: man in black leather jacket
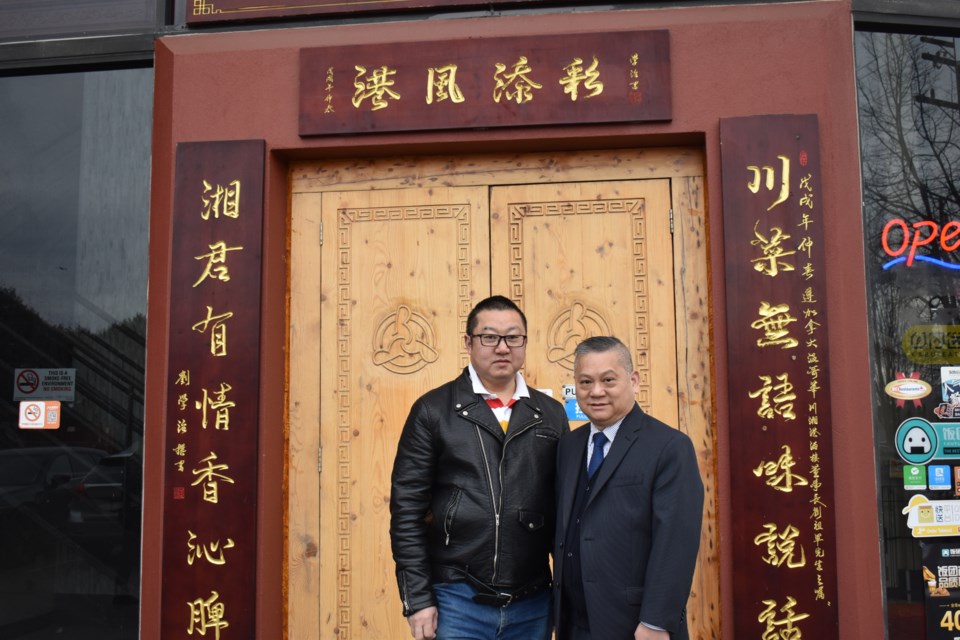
472 497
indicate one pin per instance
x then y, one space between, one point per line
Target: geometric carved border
346 218
517 212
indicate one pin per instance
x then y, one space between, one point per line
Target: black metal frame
906 16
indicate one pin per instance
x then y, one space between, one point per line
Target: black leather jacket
467 499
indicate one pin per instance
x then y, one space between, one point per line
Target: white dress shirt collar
520 392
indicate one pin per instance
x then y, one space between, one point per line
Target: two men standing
487 477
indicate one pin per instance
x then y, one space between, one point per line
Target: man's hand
644 632
423 624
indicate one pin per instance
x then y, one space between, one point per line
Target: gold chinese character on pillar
774 323
218 330
768 174
782 401
207 615
216 266
774 252
217 401
782 628
212 552
781 546
779 474
209 476
220 201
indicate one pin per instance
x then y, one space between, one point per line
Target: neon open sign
920 234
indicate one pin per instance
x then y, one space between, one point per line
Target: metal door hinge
321 233
671 221
319 459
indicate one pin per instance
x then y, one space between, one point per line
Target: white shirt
610 432
502 413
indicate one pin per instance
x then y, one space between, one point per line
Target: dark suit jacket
640 529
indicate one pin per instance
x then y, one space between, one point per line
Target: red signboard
210 458
486 82
781 456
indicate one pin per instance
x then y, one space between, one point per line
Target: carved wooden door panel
400 272
585 259
581 240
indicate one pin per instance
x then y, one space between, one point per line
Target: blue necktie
599 440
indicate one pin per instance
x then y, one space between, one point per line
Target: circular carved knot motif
404 342
569 328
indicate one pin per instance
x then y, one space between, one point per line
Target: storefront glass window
74 212
909 113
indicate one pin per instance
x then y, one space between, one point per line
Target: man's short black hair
600 344
493 303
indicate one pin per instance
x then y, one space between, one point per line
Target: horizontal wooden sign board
486 82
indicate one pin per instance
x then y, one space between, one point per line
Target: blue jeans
460 618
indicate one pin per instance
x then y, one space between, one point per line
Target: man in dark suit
629 510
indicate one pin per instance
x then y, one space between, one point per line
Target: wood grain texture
406 171
400 271
585 259
302 566
695 390
342 512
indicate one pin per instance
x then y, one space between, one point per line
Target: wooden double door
384 272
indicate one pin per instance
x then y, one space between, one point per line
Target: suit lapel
626 438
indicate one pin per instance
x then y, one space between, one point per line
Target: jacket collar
468 404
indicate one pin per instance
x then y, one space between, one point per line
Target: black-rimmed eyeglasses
493 340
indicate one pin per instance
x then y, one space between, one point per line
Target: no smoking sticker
27 381
41 384
40 414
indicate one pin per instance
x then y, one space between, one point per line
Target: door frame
695 392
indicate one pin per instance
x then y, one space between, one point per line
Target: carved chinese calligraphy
209 585
781 463
496 82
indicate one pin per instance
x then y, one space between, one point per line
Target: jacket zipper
496 504
448 519
498 501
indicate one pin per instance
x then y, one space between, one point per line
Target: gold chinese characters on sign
210 475
486 83
782 472
512 82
